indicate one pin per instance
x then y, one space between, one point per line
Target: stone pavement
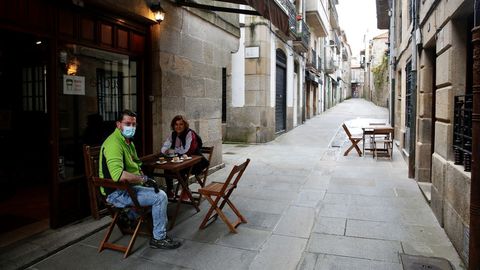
307 206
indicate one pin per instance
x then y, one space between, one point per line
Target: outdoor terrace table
373 129
177 170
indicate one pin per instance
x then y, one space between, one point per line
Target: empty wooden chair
354 141
217 191
202 177
382 142
91 156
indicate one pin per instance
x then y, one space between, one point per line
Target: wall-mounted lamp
158 11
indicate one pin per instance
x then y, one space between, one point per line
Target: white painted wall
238 73
295 87
289 76
273 63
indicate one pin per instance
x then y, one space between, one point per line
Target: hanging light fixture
158 12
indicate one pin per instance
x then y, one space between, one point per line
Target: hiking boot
165 243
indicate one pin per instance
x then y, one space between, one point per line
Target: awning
334 80
269 9
310 76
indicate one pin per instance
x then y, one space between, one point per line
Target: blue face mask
128 132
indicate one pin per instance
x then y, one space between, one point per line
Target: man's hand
149 182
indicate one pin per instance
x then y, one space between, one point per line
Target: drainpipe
413 125
391 70
474 248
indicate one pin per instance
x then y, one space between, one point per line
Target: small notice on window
73 85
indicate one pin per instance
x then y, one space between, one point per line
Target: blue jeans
146 197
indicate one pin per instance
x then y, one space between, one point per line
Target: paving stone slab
297 221
309 198
330 225
314 261
411 262
200 256
425 249
372 249
279 252
396 231
246 238
256 220
84 257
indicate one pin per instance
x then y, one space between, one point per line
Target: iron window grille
462 131
33 88
408 96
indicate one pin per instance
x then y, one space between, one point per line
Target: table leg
183 181
363 143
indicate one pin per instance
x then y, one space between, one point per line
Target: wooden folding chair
91 156
201 178
223 191
382 136
354 140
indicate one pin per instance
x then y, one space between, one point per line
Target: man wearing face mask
119 161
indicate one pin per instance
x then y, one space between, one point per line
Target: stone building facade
432 81
70 67
191 50
378 91
279 81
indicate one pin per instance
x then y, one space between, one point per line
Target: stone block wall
190 49
451 185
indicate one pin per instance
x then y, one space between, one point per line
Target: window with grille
408 96
116 91
462 131
33 88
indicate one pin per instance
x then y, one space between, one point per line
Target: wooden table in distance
375 129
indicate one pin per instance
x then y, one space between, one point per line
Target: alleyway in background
307 206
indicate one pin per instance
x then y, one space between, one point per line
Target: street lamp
158 12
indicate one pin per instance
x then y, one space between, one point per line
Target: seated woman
181 141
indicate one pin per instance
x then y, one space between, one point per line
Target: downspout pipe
474 243
413 125
391 57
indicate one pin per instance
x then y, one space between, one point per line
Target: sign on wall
252 52
73 85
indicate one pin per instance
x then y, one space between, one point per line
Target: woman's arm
167 144
185 148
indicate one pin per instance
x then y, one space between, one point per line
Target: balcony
302 40
333 16
331 65
335 41
290 10
292 22
344 54
317 17
314 62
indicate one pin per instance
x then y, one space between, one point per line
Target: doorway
281 92
24 130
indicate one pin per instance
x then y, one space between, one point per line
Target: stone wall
190 49
451 185
254 122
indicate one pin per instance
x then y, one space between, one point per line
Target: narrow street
307 206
